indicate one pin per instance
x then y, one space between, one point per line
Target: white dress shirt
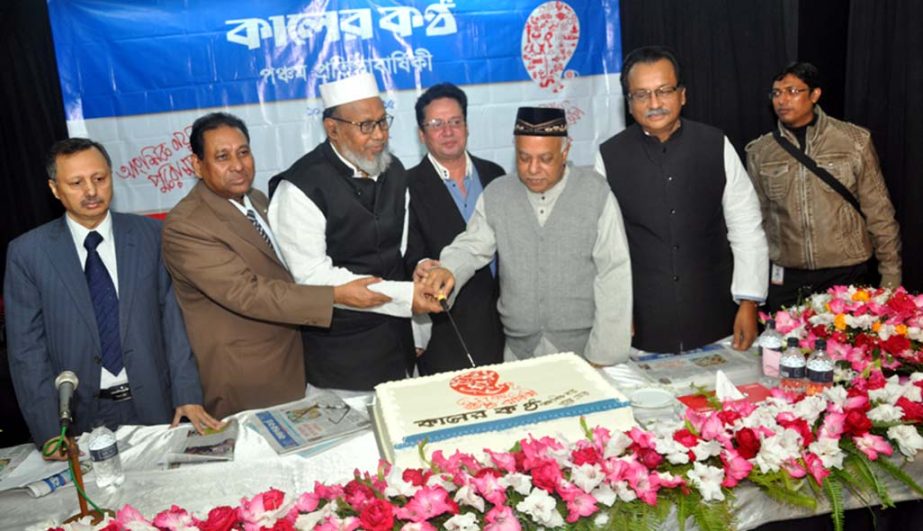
741 206
106 250
300 230
259 219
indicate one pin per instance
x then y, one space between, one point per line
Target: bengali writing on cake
564 399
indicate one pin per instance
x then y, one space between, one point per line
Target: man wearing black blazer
444 189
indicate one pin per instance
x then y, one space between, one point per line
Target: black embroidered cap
540 121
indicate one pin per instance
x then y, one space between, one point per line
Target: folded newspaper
317 421
697 368
213 445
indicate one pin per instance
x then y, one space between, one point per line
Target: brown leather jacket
808 224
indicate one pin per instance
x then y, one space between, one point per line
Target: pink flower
501 518
546 475
686 438
173 519
486 484
328 493
254 510
585 453
580 505
456 463
502 460
427 503
378 515
872 445
641 438
794 468
816 467
418 526
358 495
536 450
222 518
736 468
712 428
832 426
129 515
416 476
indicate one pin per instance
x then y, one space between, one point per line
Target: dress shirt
741 206
247 205
475 248
106 250
300 231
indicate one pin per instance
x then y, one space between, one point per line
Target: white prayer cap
355 88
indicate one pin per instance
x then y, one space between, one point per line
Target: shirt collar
79 232
356 171
243 207
441 170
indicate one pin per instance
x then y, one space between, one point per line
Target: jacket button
672 211
675 278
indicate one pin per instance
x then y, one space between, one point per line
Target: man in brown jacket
241 307
817 238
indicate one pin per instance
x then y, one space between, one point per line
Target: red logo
479 383
549 39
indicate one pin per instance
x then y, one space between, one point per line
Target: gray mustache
656 112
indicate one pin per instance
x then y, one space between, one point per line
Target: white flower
441 480
908 439
675 452
604 495
587 476
885 413
310 520
397 486
916 377
463 522
829 452
467 496
706 449
521 483
810 408
889 393
617 445
915 333
863 322
912 392
624 492
542 507
601 521
708 480
836 394
777 449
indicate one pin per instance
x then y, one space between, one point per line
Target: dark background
869 52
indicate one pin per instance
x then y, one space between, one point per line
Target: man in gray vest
565 277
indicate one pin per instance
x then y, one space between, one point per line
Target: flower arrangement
865 328
795 449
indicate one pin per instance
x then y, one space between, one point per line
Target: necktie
251 215
105 304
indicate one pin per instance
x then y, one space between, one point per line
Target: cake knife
445 308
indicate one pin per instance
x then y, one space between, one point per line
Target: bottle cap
820 344
792 342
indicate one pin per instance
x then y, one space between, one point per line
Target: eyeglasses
791 91
438 124
368 126
643 96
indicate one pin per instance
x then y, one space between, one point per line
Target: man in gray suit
88 293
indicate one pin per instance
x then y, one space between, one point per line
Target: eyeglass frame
368 126
792 92
438 124
644 95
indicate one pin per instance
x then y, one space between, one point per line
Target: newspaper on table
306 425
213 445
22 467
697 368
11 457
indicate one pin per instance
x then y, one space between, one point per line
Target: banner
135 75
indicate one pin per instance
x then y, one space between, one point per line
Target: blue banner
122 58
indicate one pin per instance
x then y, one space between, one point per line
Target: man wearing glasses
340 213
820 235
698 252
444 189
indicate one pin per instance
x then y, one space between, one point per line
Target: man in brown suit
241 307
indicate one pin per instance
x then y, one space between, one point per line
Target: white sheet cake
494 406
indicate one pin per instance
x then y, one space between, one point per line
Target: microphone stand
73 457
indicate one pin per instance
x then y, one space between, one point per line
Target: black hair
70 146
647 55
441 90
804 71
211 122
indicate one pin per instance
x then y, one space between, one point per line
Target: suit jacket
434 222
241 306
51 326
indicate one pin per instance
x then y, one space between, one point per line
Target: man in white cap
340 213
565 277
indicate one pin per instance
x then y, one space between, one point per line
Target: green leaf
784 493
714 516
862 468
834 490
898 473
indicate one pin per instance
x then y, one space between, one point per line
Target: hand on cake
357 294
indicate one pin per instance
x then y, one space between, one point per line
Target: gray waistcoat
546 273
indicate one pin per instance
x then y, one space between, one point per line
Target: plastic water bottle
107 464
820 368
770 343
792 368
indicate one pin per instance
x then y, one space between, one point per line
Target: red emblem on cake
479 383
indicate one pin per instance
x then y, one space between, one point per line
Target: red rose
820 331
378 515
280 525
546 475
857 423
799 425
748 443
686 438
877 380
585 455
913 411
358 495
864 340
272 499
650 458
902 304
416 476
895 344
728 416
220 519
112 526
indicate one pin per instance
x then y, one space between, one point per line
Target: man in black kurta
444 189
698 252
340 212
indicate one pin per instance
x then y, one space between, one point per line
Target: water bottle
107 464
792 368
820 368
770 343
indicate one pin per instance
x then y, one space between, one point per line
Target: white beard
376 166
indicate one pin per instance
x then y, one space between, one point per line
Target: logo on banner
549 39
346 24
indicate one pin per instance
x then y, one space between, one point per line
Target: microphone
65 383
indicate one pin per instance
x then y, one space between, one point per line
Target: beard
375 166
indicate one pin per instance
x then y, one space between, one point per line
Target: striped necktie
105 304
251 215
